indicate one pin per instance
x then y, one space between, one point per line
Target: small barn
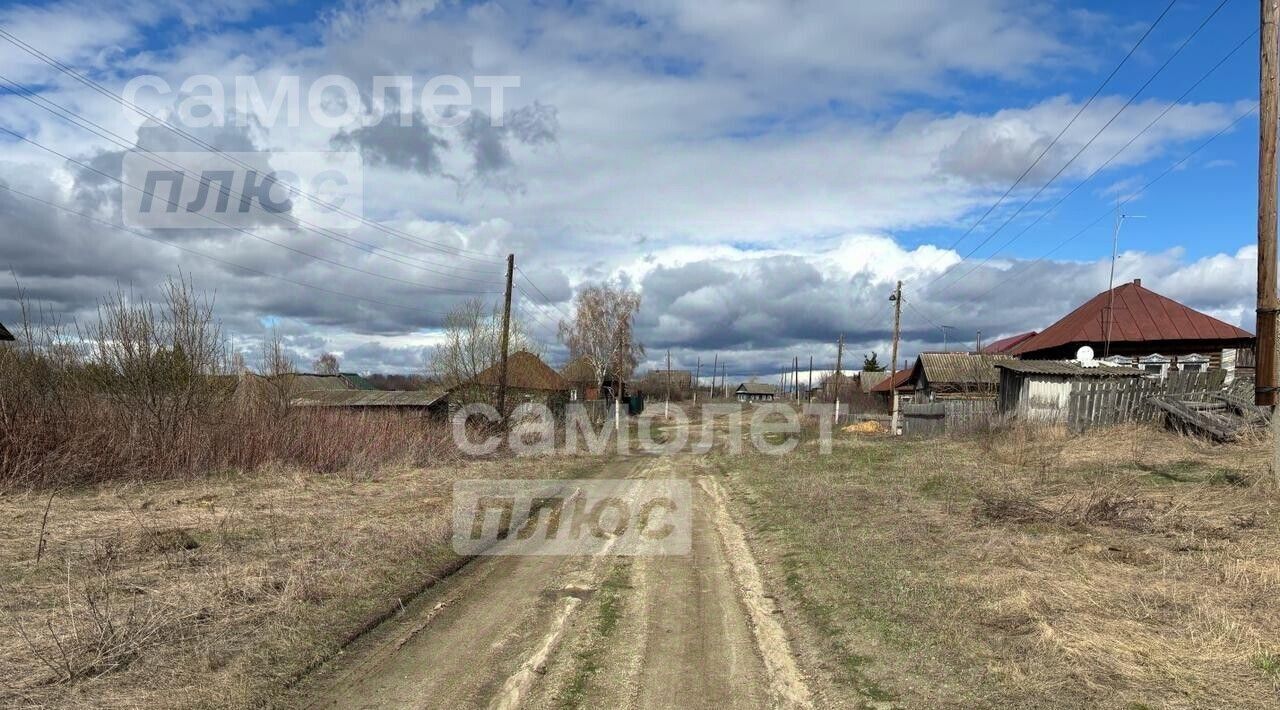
938 376
755 392
1040 390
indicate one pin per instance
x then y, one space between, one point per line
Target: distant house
580 377
900 383
868 380
938 376
529 379
1004 345
5 335
1135 326
1041 389
755 392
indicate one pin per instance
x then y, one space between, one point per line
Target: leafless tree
473 342
326 364
157 359
602 335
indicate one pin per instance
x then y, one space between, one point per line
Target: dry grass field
217 592
1127 568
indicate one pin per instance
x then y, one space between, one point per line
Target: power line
1065 128
456 252
1167 171
225 262
1108 162
1086 146
238 229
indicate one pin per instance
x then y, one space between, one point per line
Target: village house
1132 325
5 335
529 380
1004 345
580 377
937 376
755 392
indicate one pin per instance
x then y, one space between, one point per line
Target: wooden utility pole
1268 300
715 372
839 361
977 348
506 339
809 394
666 407
697 380
795 375
897 331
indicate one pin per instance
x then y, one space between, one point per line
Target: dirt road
672 631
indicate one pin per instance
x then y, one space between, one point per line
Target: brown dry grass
1124 568
216 592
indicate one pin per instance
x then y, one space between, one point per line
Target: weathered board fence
1091 403
1107 402
947 416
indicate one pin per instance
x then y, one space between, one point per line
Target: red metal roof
1004 345
1139 315
899 380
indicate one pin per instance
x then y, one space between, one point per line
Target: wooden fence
948 416
1091 403
1106 402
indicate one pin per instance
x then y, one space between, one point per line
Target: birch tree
601 334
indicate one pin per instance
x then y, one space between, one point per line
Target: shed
955 376
1041 389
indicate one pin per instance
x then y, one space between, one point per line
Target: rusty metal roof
1139 315
960 368
525 371
1004 345
1066 369
899 380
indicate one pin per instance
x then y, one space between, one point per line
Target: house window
1155 365
1193 363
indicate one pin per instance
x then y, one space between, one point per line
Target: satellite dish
1085 357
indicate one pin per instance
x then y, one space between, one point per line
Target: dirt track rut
676 631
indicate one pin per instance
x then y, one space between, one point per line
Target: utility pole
1268 300
977 348
725 379
715 371
839 362
506 339
697 380
946 338
809 394
795 377
897 331
666 407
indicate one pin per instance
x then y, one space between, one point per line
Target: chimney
1137 282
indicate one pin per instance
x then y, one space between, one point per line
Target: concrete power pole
809 394
506 339
1268 300
715 372
897 332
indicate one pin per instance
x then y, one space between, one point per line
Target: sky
761 172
